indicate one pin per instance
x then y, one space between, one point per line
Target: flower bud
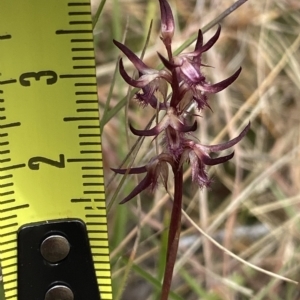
167 22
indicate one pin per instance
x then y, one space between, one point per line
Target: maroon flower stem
174 231
175 89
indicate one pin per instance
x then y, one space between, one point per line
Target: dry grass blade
235 256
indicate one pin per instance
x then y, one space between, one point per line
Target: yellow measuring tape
51 161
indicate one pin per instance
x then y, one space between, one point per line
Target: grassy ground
253 208
254 204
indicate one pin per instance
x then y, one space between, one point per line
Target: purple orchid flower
183 73
156 167
170 119
198 156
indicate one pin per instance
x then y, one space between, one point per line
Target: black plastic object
76 271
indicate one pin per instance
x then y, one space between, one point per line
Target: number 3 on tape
53 226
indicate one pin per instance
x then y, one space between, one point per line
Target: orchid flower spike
183 73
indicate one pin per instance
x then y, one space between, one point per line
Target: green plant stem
174 232
98 13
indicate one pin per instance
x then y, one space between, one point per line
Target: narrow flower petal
199 48
169 65
215 161
138 63
192 75
145 183
137 170
195 56
162 125
220 147
199 42
199 174
211 41
218 87
150 132
138 83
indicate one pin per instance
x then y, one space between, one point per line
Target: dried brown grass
254 204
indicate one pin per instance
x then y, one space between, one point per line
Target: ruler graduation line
79 4
82 65
79 13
